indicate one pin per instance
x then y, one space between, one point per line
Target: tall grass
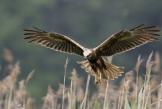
140 88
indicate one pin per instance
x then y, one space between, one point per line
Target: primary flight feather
95 64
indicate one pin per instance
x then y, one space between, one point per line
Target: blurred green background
87 21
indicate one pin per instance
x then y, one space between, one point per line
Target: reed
136 90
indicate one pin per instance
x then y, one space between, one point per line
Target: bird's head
87 52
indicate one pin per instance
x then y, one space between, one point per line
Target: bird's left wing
54 41
127 40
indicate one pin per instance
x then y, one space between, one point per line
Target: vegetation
87 21
134 91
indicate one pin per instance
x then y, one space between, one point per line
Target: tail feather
111 71
115 71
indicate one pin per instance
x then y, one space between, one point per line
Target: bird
95 60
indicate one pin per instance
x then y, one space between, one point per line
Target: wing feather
127 39
55 41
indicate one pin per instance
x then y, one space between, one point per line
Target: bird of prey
95 63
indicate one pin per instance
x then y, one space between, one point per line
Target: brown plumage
95 63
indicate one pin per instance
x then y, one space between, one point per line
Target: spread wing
127 40
55 41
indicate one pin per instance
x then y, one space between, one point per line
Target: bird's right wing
127 40
55 41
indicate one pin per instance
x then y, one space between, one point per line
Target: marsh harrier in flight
95 63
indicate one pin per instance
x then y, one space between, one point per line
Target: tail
103 70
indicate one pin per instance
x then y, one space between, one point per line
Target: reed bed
140 88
